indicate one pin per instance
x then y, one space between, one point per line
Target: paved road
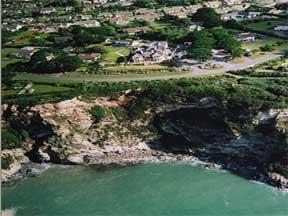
247 63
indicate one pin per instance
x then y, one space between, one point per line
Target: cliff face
253 148
247 143
66 133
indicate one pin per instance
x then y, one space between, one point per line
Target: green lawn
132 68
158 25
9 92
7 61
23 38
6 51
267 25
41 88
113 53
255 45
42 78
129 75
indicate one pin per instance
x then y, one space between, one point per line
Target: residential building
281 28
48 10
135 30
89 57
157 51
125 43
87 23
246 37
25 52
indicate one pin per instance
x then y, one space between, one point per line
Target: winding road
246 62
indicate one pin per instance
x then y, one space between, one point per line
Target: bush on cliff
10 139
98 113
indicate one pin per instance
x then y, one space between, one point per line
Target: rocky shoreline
26 168
29 169
64 133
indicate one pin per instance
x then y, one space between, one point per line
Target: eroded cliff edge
250 142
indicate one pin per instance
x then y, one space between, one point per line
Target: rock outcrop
65 133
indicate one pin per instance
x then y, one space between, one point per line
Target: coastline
72 137
31 169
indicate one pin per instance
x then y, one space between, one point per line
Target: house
147 17
87 23
68 8
48 10
142 29
281 28
85 17
63 39
212 4
246 37
12 27
43 28
251 15
89 57
25 52
180 51
178 11
120 18
157 51
195 28
125 43
64 18
68 49
234 15
221 55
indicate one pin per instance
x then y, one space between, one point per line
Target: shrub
5 162
266 48
98 113
10 139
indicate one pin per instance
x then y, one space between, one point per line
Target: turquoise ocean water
147 189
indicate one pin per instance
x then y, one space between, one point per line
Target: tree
208 16
76 3
121 59
6 78
96 49
202 38
53 61
144 3
267 48
202 44
200 53
84 36
224 40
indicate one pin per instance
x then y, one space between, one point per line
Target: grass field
39 89
135 68
265 25
23 38
114 52
158 25
6 51
42 78
66 79
129 75
255 45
